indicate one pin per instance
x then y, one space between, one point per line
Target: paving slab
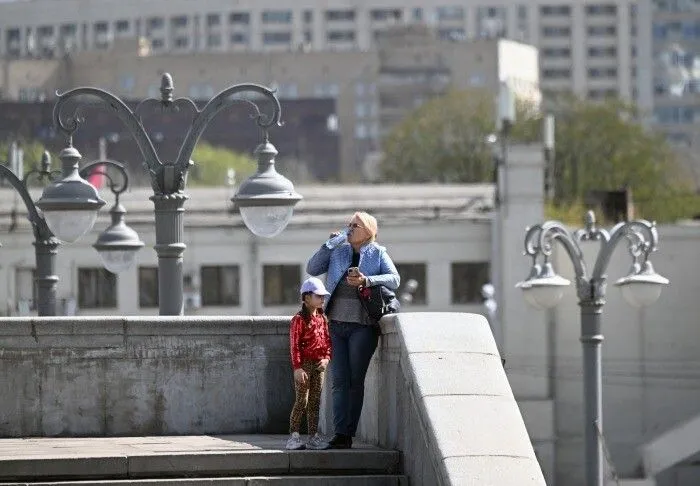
178 456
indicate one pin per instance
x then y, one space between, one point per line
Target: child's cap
314 285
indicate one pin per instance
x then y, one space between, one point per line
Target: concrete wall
144 376
436 390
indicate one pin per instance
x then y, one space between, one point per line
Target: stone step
133 458
331 480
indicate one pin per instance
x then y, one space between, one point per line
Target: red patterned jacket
310 341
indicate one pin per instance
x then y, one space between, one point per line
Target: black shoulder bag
378 301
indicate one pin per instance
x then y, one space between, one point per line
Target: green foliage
211 165
33 151
599 146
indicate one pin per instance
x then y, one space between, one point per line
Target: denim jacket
375 264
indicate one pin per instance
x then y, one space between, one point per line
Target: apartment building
371 90
675 63
587 46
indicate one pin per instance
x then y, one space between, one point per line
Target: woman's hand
300 376
323 364
357 280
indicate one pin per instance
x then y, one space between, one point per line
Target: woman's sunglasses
354 225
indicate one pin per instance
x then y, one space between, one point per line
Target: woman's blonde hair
369 222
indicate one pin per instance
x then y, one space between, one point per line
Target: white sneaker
294 442
317 443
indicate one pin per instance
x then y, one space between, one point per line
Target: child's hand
323 364
300 376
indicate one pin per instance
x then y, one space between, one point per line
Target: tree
33 152
598 146
445 140
211 165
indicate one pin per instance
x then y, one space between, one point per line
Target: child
310 349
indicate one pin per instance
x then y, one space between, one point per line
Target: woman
353 334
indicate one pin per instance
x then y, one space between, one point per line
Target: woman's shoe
317 443
294 442
341 441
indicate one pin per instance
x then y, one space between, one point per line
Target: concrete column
578 50
525 333
365 36
645 60
624 65
255 30
318 40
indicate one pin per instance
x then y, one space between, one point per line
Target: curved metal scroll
642 237
116 187
41 230
167 178
218 103
69 125
539 240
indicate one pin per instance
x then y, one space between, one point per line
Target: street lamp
266 200
45 242
543 288
117 245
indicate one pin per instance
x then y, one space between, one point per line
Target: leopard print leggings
308 398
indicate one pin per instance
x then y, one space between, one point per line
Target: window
239 38
308 16
45 31
239 18
25 289
340 15
453 12
181 42
155 22
277 38
601 10
277 16
602 52
384 15
560 52
341 36
556 31
101 27
281 284
601 30
555 10
213 20
413 283
220 285
157 43
179 21
467 279
97 288
121 26
556 73
148 287
66 30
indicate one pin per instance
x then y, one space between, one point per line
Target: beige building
372 89
587 45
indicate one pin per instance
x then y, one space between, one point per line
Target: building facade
587 46
371 89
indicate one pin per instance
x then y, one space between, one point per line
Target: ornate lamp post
543 288
71 222
266 200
